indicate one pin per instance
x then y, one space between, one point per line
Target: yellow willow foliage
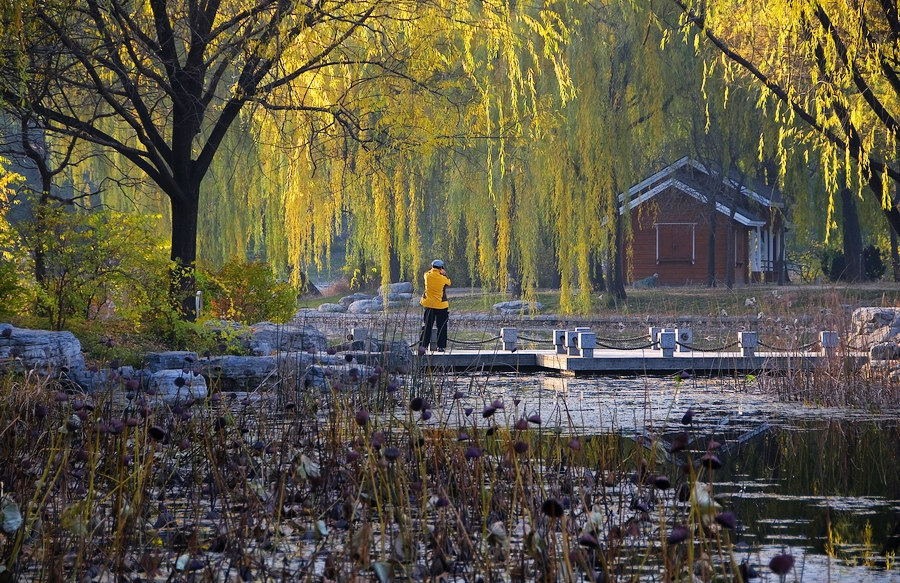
834 61
468 142
505 220
381 221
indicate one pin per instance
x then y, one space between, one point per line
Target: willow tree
160 83
618 126
447 170
831 65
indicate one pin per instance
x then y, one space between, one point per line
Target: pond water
820 483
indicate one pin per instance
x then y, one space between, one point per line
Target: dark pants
435 316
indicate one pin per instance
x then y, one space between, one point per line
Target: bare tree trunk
852 233
895 255
394 262
596 267
729 251
617 281
182 285
37 153
711 243
779 267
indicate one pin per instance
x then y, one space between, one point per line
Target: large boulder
347 300
366 306
885 351
870 327
268 338
176 385
514 307
250 373
331 308
647 282
172 359
22 349
403 287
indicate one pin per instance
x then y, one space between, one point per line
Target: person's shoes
440 350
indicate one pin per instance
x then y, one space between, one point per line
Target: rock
401 297
366 306
22 349
647 282
250 373
105 378
268 338
403 287
172 359
873 326
331 308
885 351
176 385
517 307
347 300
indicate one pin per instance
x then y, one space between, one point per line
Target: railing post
509 337
587 341
559 341
667 343
685 336
572 342
829 342
654 331
748 341
358 334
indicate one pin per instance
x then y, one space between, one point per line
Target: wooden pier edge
624 362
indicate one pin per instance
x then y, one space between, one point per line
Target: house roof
687 176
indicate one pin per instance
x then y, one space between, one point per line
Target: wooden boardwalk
632 362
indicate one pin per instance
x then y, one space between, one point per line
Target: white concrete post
198 303
559 341
358 334
748 341
829 341
654 331
572 342
667 343
509 337
684 336
587 341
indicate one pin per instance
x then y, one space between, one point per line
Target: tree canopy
312 93
831 66
496 135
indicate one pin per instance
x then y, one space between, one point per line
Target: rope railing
535 340
632 339
611 347
716 349
474 342
789 349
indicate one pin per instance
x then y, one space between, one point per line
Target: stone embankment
877 331
289 357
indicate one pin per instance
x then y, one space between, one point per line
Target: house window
675 242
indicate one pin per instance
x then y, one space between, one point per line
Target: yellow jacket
436 284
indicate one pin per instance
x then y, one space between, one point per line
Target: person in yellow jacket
437 308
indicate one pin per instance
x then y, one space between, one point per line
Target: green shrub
11 290
248 292
873 263
834 264
95 261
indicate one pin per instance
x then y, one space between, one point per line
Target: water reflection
819 483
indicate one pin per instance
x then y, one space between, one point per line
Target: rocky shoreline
317 345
